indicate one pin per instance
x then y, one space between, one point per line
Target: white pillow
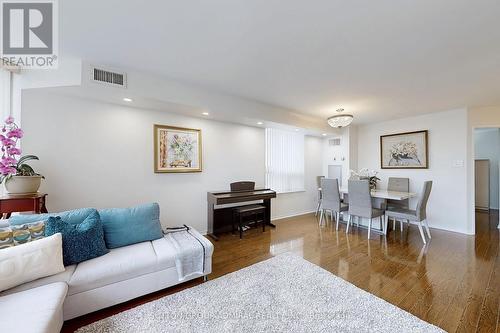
30 261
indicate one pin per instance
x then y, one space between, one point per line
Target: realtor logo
29 33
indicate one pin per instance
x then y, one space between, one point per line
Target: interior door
335 172
482 170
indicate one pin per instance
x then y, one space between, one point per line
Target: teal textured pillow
74 216
81 241
126 226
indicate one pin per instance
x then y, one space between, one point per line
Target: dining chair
360 204
331 200
419 215
318 184
399 185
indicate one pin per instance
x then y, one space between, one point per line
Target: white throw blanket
189 252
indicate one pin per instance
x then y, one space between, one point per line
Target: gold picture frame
177 149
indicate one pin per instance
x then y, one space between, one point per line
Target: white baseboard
463 232
292 215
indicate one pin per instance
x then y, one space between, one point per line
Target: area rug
282 294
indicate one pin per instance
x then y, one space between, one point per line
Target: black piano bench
249 214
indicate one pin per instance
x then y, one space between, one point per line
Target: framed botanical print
404 150
177 149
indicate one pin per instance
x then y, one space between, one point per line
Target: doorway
482 181
487 171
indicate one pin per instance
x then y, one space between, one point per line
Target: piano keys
220 218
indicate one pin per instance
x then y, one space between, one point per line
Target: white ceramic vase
23 184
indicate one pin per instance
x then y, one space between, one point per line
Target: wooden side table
22 203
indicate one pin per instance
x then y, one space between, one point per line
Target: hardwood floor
453 282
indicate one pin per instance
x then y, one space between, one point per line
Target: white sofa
121 275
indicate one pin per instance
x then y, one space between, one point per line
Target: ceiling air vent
334 142
115 79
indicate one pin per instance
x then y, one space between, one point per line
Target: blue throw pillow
126 226
75 216
81 241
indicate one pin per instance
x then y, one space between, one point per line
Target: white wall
448 204
337 155
482 117
344 155
68 73
223 107
353 150
487 146
101 155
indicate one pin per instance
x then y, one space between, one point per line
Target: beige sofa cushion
118 265
61 277
37 310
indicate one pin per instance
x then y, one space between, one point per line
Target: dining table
380 198
386 195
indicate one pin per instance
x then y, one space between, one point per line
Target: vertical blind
284 160
5 93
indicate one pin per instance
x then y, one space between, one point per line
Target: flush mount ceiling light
260 123
126 99
205 113
340 120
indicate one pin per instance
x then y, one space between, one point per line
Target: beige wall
484 117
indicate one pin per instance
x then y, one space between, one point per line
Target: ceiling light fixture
205 113
296 130
340 120
260 123
324 134
126 99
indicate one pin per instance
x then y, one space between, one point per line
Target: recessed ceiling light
205 113
324 134
126 99
260 123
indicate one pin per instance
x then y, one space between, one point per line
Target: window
284 160
5 93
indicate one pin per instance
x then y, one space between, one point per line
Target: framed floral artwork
404 150
177 149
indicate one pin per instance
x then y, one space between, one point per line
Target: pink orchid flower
14 151
8 142
7 161
6 170
15 133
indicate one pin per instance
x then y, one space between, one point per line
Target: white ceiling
377 59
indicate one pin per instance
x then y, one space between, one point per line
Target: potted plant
365 174
17 176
